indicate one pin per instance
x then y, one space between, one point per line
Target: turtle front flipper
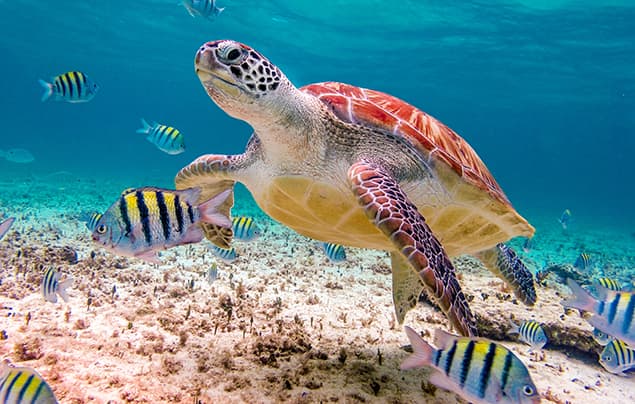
388 207
503 262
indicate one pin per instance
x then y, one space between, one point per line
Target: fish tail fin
63 285
422 354
581 299
209 210
515 329
146 127
219 10
48 90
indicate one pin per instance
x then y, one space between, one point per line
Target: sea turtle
358 167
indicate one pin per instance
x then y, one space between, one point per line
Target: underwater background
544 91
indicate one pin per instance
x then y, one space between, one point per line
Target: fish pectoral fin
149 256
440 380
388 207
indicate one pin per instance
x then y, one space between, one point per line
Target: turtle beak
213 75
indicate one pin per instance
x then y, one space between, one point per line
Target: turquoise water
544 91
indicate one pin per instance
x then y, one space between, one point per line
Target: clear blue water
543 90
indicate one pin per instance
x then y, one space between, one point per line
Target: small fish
601 337
71 87
609 283
212 273
245 228
146 220
204 8
565 218
528 245
334 252
91 221
478 370
612 312
165 138
618 358
51 285
582 262
5 226
226 254
20 385
20 156
531 333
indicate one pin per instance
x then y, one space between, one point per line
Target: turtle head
240 80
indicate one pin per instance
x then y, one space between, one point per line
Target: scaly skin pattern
505 263
216 173
388 207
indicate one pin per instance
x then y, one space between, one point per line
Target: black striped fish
204 8
71 87
145 220
601 337
91 221
582 262
245 228
5 226
609 283
226 254
21 385
618 358
612 312
334 252
531 333
52 286
165 138
478 370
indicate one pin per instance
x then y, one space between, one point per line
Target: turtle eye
230 54
528 390
101 229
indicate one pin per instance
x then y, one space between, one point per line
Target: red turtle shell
377 109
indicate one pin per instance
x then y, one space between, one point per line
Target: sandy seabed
280 324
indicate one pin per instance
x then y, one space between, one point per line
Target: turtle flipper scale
388 207
212 172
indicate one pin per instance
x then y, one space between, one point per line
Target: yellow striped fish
23 385
245 228
165 138
145 220
612 312
531 333
610 283
52 286
334 252
71 87
226 254
582 262
478 370
92 220
618 358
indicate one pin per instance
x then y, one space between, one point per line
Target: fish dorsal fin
128 191
443 339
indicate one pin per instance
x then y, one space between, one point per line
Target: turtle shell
376 109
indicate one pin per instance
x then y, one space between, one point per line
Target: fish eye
528 390
101 229
230 54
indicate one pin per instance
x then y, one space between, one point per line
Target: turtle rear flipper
503 262
388 207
